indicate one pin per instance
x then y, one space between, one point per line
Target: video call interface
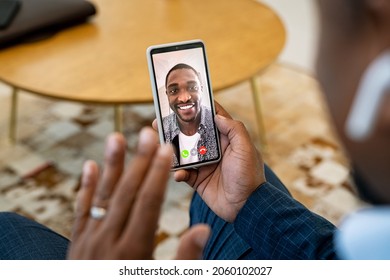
197 87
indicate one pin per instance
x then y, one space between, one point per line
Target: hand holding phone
184 102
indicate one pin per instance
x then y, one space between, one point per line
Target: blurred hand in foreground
118 210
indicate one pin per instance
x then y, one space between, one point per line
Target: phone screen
184 104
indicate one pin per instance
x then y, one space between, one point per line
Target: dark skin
347 45
184 96
133 196
226 186
346 48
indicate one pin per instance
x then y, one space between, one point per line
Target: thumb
235 130
154 125
192 243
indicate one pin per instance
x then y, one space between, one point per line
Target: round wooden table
104 61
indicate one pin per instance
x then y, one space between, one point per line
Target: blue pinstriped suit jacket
271 225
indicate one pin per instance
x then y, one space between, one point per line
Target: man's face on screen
184 94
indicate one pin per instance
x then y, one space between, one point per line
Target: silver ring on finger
97 213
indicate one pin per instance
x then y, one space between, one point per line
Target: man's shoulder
208 114
170 126
207 111
169 119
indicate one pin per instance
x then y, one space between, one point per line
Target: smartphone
184 102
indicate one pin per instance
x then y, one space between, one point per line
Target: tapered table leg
13 115
118 113
259 115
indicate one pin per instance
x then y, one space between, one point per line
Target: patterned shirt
207 139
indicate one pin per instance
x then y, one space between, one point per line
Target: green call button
185 154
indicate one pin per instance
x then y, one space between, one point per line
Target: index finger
143 220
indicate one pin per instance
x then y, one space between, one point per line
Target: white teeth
186 107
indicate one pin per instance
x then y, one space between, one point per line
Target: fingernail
202 238
87 169
165 149
221 117
113 143
144 136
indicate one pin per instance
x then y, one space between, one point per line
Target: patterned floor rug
39 175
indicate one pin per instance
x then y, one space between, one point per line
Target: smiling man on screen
190 127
